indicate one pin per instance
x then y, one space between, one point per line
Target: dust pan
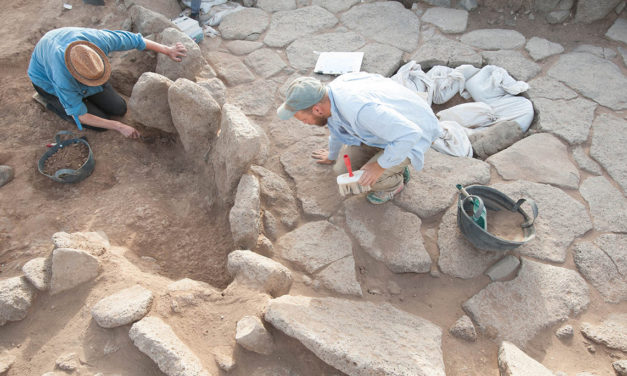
66 175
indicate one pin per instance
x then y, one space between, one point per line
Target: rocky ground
217 246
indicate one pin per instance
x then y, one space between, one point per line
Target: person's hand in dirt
175 52
128 131
96 121
322 155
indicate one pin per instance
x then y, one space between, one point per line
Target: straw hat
87 63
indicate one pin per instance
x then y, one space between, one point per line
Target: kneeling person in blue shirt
382 126
69 69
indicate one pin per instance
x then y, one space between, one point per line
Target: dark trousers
104 104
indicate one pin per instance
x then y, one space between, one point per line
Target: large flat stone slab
593 77
71 268
443 51
265 62
276 5
340 276
302 53
494 39
449 21
612 332
381 58
517 65
230 69
383 341
259 272
287 26
256 98
540 296
541 158
123 307
540 48
514 362
549 88
335 6
608 146
246 24
388 234
608 205
571 120
385 22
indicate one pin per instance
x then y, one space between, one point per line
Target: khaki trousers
360 155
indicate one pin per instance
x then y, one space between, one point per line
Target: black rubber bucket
67 175
494 200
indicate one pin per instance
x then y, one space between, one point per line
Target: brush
349 182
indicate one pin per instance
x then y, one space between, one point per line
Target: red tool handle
347 162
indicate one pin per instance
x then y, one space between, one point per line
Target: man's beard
320 120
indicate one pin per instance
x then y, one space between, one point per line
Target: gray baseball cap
302 93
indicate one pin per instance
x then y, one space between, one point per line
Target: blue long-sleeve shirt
47 64
376 111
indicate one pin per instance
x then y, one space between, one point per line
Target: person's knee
119 109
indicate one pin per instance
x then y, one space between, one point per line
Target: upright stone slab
278 196
128 66
514 362
253 336
216 89
123 307
540 296
494 39
259 272
514 63
287 26
608 146
589 11
444 51
612 332
189 67
71 268
302 53
397 343
540 48
245 215
230 69
608 205
37 272
149 102
570 120
16 297
245 24
449 21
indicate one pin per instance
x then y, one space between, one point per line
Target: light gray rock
540 296
128 66
565 332
245 215
314 245
6 174
68 362
259 272
437 181
37 272
225 359
541 158
71 268
253 336
544 6
246 24
315 322
514 362
546 87
122 308
447 52
494 39
192 64
585 162
468 4
201 289
623 52
602 52
439 3
589 11
449 21
608 205
270 225
495 138
340 277
146 22
264 246
16 297
277 196
557 16
514 63
464 329
335 6
265 62
381 58
196 116
230 69
385 22
389 235
458 257
149 102
540 48
242 47
287 26
593 77
503 268
156 339
612 332
302 53
276 5
570 120
603 263
608 141
620 367
96 243
6 362
216 89
256 98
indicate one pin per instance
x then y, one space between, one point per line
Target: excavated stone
620 367
146 22
385 22
189 67
68 362
71 268
541 158
302 53
287 26
196 116
123 307
381 58
253 336
335 6
602 52
514 362
544 6
389 235
623 53
497 137
245 215
447 52
546 87
259 272
603 263
6 361
608 146
149 102
589 11
265 62
276 5
246 24
593 77
608 205
230 69
561 219
458 257
439 3
540 296
96 243
128 66
557 16
468 4
503 268
37 272
398 343
449 21
242 47
540 48
277 196
437 181
494 39
585 162
6 174
611 332
256 98
570 120
565 332
515 63
216 89
314 245
340 277
464 329
16 297
156 339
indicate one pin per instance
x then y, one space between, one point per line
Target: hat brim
84 80
283 113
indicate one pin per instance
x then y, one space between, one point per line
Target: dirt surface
72 156
148 198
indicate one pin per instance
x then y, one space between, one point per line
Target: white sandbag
469 115
205 5
492 83
412 77
518 109
453 140
446 83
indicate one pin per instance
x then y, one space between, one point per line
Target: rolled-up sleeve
119 40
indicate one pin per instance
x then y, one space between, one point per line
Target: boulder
449 21
517 65
149 102
190 66
37 272
265 62
565 332
128 66
589 11
122 308
495 138
253 336
230 69
16 297
216 89
72 268
464 329
608 205
245 24
245 215
608 141
277 196
96 243
611 332
514 362
259 272
286 26
540 48
570 120
144 21
443 51
494 39
6 174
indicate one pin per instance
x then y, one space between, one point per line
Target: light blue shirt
373 110
47 64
